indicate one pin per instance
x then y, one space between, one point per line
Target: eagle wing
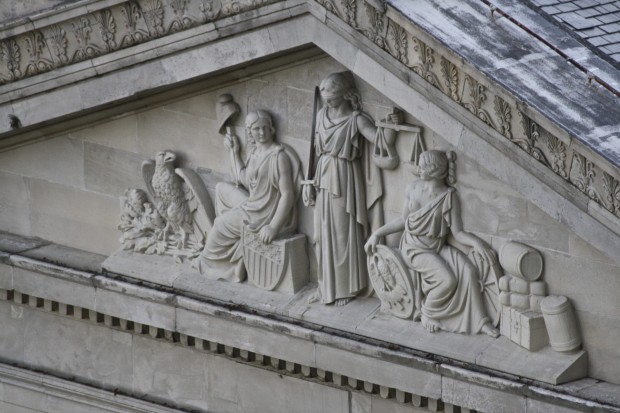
198 199
148 170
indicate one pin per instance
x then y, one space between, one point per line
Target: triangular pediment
532 166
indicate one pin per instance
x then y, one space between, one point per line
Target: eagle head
164 157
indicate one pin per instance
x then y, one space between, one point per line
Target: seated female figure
266 203
449 282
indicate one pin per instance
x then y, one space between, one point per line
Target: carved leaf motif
350 12
532 136
11 55
35 45
82 30
233 8
477 92
582 176
558 155
132 14
504 117
107 27
181 21
330 7
451 78
425 68
376 20
209 12
58 40
153 13
612 193
399 37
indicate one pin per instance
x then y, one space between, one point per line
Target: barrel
561 323
521 261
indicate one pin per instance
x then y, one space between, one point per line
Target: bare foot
342 301
490 331
315 297
430 325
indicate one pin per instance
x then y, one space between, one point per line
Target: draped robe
445 277
222 256
348 200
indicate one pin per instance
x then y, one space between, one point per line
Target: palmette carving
107 27
35 45
558 155
399 42
85 49
153 13
58 41
375 32
450 75
477 93
612 193
133 15
532 136
11 55
427 60
504 116
582 175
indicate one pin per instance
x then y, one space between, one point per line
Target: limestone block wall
180 377
66 189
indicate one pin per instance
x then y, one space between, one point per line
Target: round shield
489 286
391 281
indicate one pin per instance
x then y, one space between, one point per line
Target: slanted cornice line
176 48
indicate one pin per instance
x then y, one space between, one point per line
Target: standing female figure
346 190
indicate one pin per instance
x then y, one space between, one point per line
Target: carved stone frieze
136 21
504 116
450 75
425 67
477 98
582 175
480 98
531 136
95 33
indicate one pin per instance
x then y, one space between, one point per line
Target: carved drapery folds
475 94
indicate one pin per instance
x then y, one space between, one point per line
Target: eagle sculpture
181 199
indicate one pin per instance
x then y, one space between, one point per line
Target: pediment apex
416 56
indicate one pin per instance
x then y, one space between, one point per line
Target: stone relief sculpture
176 219
345 187
441 284
531 318
255 210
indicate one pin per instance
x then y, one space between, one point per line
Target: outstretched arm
467 238
287 198
396 225
369 131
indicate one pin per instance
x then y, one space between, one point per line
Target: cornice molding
357 363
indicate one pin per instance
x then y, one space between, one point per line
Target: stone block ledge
341 346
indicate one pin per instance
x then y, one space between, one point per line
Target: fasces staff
309 200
